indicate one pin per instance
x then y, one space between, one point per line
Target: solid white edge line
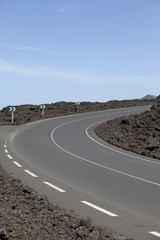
97 164
117 151
9 156
157 234
16 163
53 186
6 151
99 209
30 173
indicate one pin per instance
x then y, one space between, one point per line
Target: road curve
63 159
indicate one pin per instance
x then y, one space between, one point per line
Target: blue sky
78 50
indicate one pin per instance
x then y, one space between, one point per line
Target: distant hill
149 97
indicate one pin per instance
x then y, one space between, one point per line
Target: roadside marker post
77 104
42 106
12 109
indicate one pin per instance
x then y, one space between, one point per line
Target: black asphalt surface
65 152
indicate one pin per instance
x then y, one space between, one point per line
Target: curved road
63 159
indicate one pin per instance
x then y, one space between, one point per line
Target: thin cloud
23 70
63 9
41 72
26 48
74 76
109 53
54 52
29 48
46 72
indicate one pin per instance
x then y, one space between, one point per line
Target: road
63 159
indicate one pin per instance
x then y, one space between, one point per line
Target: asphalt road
63 159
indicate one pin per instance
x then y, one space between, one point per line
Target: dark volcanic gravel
26 216
139 133
29 113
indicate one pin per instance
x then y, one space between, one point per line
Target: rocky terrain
139 133
29 113
26 216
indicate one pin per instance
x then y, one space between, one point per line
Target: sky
78 50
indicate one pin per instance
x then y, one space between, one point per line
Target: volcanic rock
29 113
139 133
24 215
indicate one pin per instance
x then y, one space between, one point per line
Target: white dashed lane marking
17 164
6 151
99 209
5 146
156 234
55 187
9 156
30 173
